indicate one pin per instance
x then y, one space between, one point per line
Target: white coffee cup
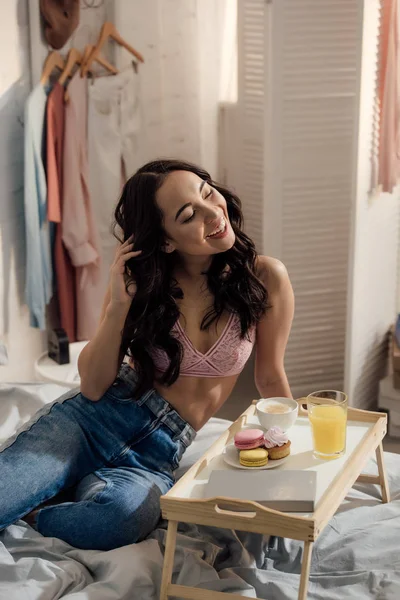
284 420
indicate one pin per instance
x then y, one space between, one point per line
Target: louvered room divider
299 79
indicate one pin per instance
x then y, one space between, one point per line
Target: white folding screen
252 77
299 80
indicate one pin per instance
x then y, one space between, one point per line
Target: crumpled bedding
356 556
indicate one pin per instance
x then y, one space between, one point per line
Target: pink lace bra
226 357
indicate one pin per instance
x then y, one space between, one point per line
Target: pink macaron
247 439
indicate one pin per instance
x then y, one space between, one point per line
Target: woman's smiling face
195 215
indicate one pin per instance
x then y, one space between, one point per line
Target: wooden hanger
86 53
88 59
74 58
109 31
54 60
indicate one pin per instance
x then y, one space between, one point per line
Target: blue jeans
116 457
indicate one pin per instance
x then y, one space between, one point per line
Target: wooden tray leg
305 570
168 559
382 474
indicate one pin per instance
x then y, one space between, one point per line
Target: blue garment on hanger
38 282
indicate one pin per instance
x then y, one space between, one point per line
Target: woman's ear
168 247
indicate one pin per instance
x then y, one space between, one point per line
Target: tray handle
246 509
235 513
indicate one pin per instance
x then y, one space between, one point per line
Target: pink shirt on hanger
79 232
64 271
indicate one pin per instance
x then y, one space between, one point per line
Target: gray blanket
357 556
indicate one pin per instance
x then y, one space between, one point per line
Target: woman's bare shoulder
271 271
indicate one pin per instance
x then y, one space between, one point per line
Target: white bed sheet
356 557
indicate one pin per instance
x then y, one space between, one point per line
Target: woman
188 299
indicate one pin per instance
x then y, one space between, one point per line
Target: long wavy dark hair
231 278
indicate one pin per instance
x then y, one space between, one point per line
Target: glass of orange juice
327 413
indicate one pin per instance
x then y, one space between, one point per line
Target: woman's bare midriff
197 399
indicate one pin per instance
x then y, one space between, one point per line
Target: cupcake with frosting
277 443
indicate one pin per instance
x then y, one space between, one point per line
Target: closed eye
190 218
210 193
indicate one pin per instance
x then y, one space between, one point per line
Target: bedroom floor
245 391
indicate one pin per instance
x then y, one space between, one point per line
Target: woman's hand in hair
119 294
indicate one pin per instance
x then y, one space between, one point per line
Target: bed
357 556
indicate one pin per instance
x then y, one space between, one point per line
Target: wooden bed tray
185 501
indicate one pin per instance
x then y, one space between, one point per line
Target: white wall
22 342
373 268
182 42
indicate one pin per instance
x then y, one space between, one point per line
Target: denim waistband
160 407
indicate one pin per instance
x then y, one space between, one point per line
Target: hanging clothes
114 153
38 282
79 231
386 162
65 296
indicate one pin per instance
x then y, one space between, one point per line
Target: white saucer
231 457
